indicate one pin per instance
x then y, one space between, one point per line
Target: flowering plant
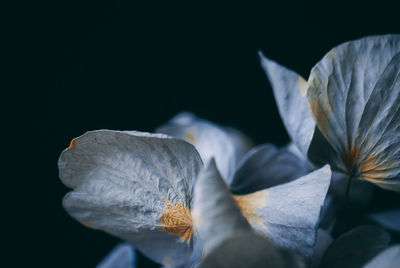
195 194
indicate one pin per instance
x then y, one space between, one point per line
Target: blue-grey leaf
122 256
356 247
354 97
136 186
288 214
389 219
226 145
290 91
389 258
266 166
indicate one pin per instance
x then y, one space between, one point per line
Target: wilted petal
389 219
226 145
122 256
288 214
355 248
290 91
389 258
354 96
136 186
266 166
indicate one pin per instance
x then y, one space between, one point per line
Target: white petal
266 166
122 256
288 214
354 96
290 91
216 217
226 145
134 185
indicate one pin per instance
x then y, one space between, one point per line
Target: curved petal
389 258
355 248
216 217
354 96
290 91
266 166
136 186
228 239
288 214
122 256
226 145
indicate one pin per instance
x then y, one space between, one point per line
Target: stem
348 188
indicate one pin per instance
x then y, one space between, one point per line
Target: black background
132 66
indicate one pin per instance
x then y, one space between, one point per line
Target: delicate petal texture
136 186
389 258
122 256
355 248
389 219
266 166
288 214
226 145
247 250
216 217
354 96
290 91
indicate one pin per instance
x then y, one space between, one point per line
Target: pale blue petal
216 217
121 256
266 166
290 91
132 185
226 145
354 96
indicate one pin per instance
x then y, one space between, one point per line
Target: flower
347 114
139 187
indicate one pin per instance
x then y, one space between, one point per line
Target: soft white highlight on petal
226 145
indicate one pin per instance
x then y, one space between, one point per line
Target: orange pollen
72 144
177 220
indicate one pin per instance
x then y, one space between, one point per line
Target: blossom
139 187
347 113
